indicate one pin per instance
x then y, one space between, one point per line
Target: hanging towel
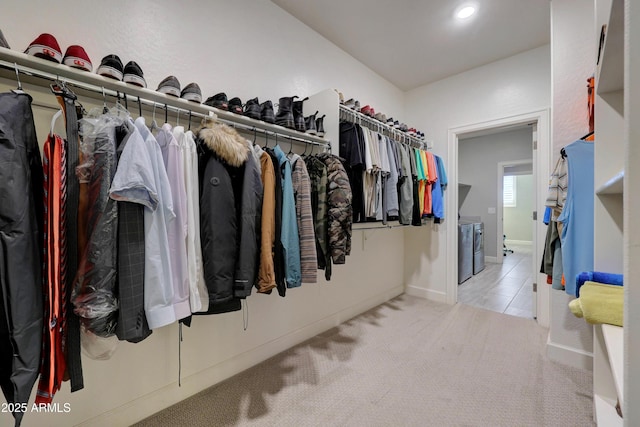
599 304
599 277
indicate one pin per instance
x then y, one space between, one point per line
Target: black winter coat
230 210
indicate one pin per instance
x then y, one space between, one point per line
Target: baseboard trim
569 356
490 259
519 242
429 294
160 399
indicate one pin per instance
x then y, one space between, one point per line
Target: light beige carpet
409 362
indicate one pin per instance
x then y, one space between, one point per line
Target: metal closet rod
357 116
380 227
101 90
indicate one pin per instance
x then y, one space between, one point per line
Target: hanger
166 114
54 119
189 120
154 124
178 117
19 89
587 136
266 141
255 135
139 107
290 145
104 102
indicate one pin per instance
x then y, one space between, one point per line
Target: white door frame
541 161
500 207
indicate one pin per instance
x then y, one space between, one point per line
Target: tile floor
506 287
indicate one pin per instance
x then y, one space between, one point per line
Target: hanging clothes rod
39 68
362 119
379 227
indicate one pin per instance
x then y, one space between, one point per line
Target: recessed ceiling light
465 12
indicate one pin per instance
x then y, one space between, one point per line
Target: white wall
478 160
573 47
517 220
245 49
516 85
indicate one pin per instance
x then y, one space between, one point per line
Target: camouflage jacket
340 208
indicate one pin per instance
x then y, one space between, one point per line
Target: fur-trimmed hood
225 142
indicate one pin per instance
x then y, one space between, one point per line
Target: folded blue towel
599 277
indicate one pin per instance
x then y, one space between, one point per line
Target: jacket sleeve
340 211
246 273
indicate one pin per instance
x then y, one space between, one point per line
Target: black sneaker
266 112
170 86
252 109
111 67
192 92
133 74
218 100
235 105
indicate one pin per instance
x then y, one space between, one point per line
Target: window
509 191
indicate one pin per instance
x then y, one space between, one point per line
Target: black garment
132 321
21 237
416 218
230 210
95 294
74 360
278 257
352 150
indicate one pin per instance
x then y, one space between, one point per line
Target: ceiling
415 42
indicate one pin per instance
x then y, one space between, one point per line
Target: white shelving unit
610 177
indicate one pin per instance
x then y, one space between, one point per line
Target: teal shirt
289 235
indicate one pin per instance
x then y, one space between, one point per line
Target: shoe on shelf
235 105
340 97
310 123
266 112
45 46
252 109
285 112
77 57
298 116
133 74
320 125
111 67
169 86
357 106
396 124
219 100
403 127
192 92
412 131
389 122
366 110
3 42
350 103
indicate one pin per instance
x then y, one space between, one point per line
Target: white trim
541 161
518 242
149 404
570 356
134 79
108 71
169 90
429 294
47 51
192 96
493 259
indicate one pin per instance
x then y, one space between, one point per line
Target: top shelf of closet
610 77
72 75
398 134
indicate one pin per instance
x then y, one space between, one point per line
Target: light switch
491 210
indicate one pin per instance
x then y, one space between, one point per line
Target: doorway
538 122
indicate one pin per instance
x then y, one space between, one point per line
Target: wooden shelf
610 76
615 185
606 414
614 340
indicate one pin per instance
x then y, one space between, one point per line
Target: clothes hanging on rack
319 205
278 253
21 218
577 214
230 208
266 270
304 216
